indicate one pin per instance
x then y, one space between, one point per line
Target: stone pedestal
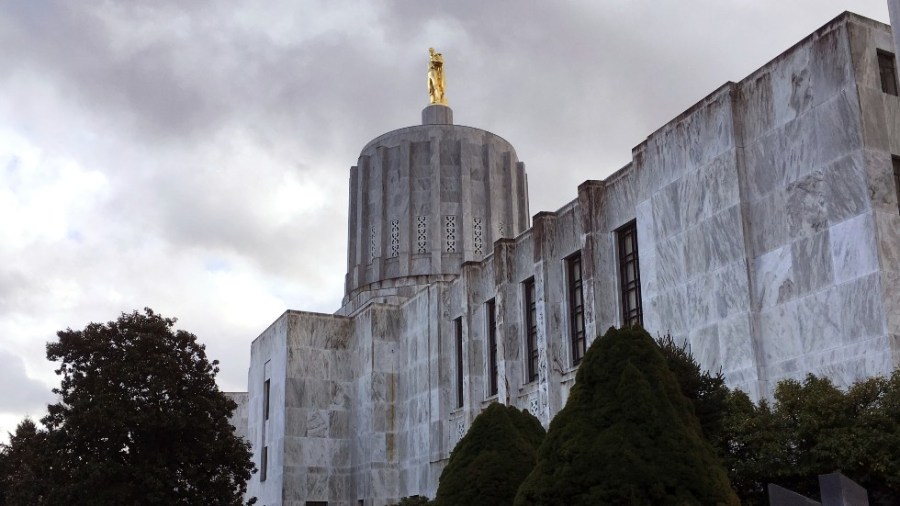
838 490
779 496
436 114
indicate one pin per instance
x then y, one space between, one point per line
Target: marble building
761 226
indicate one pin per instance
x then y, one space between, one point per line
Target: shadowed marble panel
853 250
830 64
888 235
791 92
780 333
705 347
880 181
861 308
768 228
838 126
819 322
773 278
811 263
806 210
735 343
670 262
845 188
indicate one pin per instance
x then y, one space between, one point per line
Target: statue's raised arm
436 78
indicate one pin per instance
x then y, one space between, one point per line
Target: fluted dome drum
425 199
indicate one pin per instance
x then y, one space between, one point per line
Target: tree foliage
814 428
626 435
140 419
489 463
23 465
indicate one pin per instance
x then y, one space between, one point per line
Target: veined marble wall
768 235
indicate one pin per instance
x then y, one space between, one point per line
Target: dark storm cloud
150 86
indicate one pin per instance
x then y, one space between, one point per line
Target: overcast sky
194 157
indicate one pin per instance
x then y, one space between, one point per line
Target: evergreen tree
626 436
489 463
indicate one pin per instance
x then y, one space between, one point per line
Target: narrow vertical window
630 276
888 68
266 399
491 310
896 160
264 463
531 352
459 362
576 307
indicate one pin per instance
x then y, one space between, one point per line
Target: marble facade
768 234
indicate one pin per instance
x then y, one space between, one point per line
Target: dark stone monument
780 496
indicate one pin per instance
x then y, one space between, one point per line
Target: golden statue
436 78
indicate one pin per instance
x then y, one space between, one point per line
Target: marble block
437 114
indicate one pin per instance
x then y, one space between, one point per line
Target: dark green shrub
491 460
626 436
415 500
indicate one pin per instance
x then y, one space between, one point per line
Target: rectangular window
459 362
491 310
263 463
896 160
316 503
629 275
888 67
576 307
531 352
266 400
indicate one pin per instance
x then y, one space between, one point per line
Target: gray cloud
21 394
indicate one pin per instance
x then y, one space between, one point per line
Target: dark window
491 310
630 276
266 400
888 67
263 463
459 362
896 160
531 352
316 503
576 307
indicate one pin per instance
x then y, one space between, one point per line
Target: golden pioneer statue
436 78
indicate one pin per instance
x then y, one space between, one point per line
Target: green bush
491 460
813 428
626 436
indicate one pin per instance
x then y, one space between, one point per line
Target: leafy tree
626 435
24 463
140 418
814 428
492 459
